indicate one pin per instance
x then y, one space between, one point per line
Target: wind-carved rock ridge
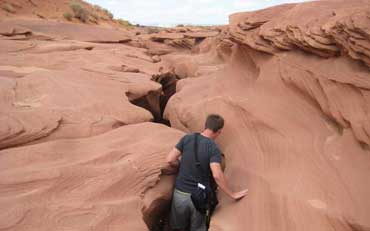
327 29
340 95
77 151
98 182
295 96
55 105
292 83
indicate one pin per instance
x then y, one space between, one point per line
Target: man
183 213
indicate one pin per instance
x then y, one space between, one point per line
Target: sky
172 13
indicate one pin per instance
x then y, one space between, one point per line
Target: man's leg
198 220
180 211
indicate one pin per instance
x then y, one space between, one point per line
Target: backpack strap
197 162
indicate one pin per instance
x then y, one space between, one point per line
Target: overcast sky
170 12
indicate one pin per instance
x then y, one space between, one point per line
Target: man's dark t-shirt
189 175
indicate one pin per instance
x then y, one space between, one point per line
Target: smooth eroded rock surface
292 82
295 100
325 28
79 184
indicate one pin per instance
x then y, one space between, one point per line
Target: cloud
244 4
168 12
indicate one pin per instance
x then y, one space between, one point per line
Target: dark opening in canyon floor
155 101
168 81
156 216
156 212
161 221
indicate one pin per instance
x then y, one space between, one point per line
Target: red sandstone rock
292 82
77 99
156 58
160 37
205 34
89 183
155 48
325 30
181 43
297 128
130 69
176 38
276 117
62 90
61 30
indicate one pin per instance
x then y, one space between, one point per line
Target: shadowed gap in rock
156 212
155 101
168 81
160 216
157 203
157 200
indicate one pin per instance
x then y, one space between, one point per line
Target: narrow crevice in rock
156 101
157 200
149 102
158 218
168 81
122 41
156 209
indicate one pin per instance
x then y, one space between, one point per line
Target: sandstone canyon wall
295 100
80 150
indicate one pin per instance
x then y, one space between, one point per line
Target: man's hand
239 195
173 157
219 177
169 169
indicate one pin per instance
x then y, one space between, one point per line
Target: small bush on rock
109 14
124 23
68 16
94 16
81 13
76 7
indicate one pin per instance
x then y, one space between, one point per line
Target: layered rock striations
79 151
324 28
337 30
67 87
295 99
83 184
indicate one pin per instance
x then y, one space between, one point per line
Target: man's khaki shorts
184 215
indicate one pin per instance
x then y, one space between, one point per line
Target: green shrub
68 16
94 16
124 23
8 7
109 14
76 7
81 13
104 11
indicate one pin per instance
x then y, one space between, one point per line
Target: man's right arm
173 157
219 177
